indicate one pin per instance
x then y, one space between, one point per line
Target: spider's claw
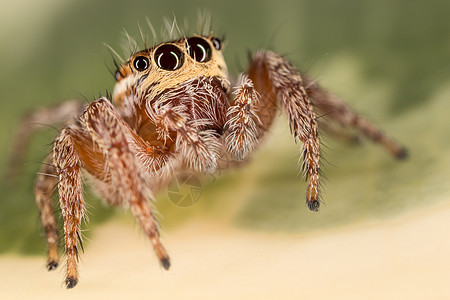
402 154
52 265
71 282
165 262
313 205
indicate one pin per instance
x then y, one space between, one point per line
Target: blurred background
389 59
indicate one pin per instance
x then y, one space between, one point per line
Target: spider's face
165 66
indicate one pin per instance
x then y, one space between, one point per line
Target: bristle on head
170 30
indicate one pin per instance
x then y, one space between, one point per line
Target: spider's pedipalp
199 148
241 126
192 116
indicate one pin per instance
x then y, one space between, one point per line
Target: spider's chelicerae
174 107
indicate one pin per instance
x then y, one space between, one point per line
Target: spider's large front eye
169 57
198 49
141 63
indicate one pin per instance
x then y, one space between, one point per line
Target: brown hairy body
173 108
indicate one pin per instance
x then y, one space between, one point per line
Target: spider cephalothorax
173 108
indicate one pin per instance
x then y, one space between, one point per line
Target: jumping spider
174 107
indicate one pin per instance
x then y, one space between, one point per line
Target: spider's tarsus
165 262
71 282
52 265
402 154
313 205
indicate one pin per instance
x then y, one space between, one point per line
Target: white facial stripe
123 85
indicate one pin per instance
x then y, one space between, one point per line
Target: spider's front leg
112 134
279 84
102 147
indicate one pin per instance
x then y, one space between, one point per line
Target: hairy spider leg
280 85
112 137
62 113
47 178
111 133
71 200
45 184
340 113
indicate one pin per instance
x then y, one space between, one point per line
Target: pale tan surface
402 258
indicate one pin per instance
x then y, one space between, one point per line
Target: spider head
166 66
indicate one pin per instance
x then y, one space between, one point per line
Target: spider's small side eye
141 63
117 75
169 57
216 43
198 49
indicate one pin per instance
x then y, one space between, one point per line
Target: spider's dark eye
169 57
216 43
198 49
141 63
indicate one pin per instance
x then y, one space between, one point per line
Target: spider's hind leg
46 182
61 113
340 115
